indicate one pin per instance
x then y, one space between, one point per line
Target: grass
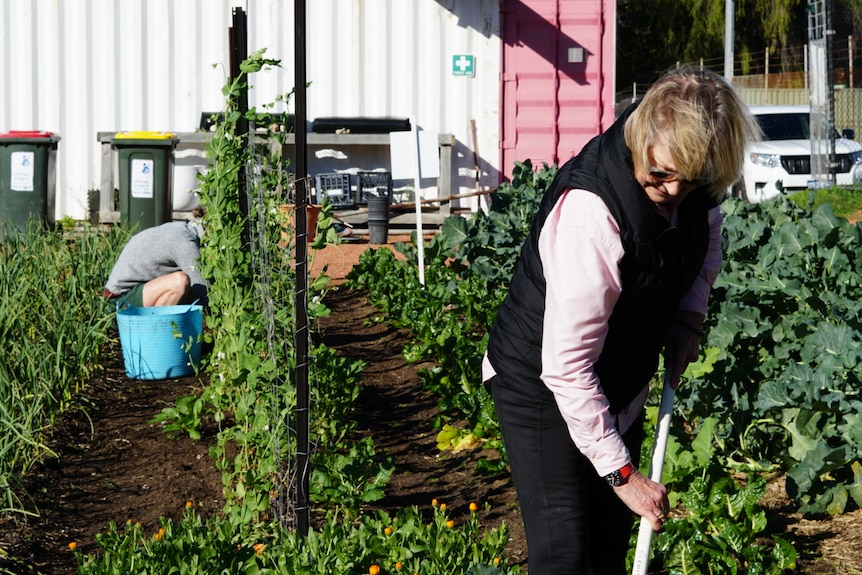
846 202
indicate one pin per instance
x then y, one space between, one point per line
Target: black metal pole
830 87
238 54
302 330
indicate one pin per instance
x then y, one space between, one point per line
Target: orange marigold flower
450 524
388 531
398 566
496 560
442 507
259 548
433 503
73 545
374 570
473 506
158 536
189 504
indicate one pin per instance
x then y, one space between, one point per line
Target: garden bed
112 465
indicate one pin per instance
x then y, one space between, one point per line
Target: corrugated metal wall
558 73
80 67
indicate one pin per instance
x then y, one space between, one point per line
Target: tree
693 30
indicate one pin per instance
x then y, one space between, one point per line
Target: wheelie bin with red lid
27 180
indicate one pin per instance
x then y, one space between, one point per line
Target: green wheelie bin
27 180
146 166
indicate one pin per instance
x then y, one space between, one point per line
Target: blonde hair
706 127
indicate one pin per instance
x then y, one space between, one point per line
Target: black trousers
575 524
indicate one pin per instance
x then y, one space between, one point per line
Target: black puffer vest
660 265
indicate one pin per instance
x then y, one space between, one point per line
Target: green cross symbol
463 65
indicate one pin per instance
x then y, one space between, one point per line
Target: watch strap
620 476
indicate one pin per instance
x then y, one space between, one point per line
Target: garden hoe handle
656 466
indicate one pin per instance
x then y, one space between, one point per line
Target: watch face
614 479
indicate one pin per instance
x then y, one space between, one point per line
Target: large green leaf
803 425
850 428
819 460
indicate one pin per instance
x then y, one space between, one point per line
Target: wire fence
272 252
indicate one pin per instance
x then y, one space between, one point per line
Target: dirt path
339 260
110 465
398 413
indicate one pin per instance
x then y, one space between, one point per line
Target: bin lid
136 139
29 135
140 135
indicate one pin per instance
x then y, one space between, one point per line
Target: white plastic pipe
420 240
656 466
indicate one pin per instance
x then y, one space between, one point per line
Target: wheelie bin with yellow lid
145 165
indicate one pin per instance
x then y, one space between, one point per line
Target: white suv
781 161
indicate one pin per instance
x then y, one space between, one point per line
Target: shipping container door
557 78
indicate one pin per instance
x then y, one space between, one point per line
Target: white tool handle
656 466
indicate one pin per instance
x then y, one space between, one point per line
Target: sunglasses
664 176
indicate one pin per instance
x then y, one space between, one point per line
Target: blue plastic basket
160 342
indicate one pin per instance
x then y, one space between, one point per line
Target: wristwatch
620 476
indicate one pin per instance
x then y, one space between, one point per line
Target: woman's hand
683 344
646 498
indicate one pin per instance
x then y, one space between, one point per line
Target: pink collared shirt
581 249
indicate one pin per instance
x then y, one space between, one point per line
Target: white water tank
187 165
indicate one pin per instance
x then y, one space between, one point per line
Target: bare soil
111 465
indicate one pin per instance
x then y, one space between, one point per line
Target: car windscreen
791 126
